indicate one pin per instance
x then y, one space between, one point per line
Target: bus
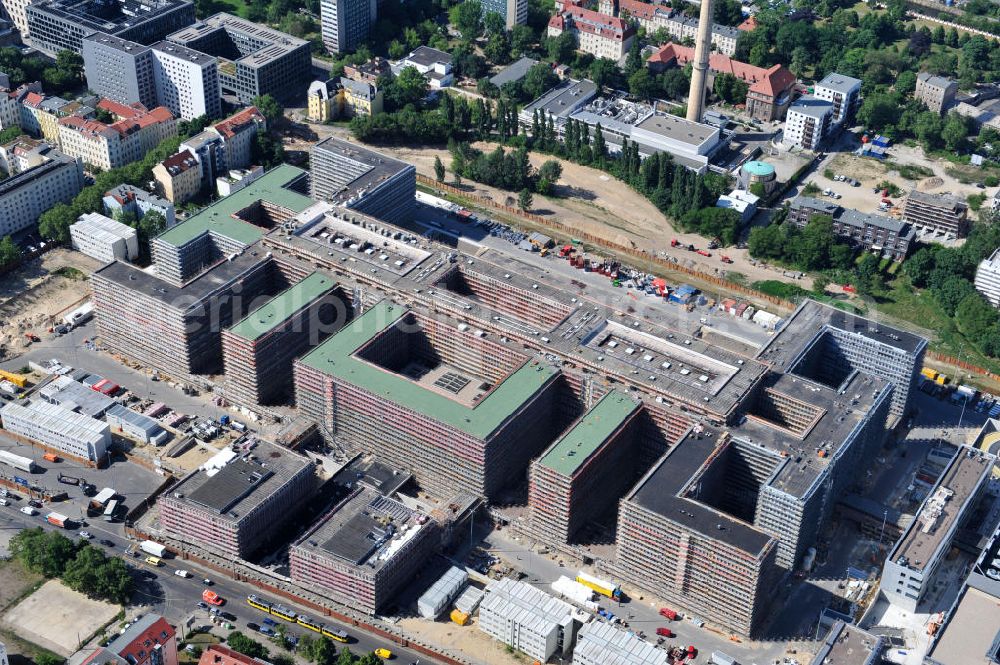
311 624
334 634
110 510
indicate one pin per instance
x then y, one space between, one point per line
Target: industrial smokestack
696 96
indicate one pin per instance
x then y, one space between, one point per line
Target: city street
176 598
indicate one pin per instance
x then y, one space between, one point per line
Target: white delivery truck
150 547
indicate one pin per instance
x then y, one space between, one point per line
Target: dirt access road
589 201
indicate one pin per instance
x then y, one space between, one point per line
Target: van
384 654
182 573
28 510
4 502
153 561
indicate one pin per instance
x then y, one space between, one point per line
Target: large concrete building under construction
258 351
460 411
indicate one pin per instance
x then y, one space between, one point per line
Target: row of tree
319 650
65 76
81 567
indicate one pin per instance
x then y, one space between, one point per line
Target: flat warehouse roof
336 357
279 309
587 435
678 129
972 633
220 217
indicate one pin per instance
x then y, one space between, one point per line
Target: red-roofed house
148 641
750 23
598 34
117 144
121 111
239 132
216 654
770 90
178 177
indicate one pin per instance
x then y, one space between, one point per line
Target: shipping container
49 457
154 548
461 618
17 461
602 587
719 658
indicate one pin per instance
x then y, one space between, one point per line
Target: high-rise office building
362 179
346 23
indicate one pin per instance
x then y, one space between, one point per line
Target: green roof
574 448
218 218
280 308
336 358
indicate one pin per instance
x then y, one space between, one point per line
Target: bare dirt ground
467 640
57 618
14 579
34 294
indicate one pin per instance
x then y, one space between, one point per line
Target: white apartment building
117 144
528 619
601 35
600 643
58 427
10 110
26 195
104 239
186 81
843 92
807 122
17 11
988 278
679 26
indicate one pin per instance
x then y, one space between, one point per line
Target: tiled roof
233 125
771 82
121 110
179 162
749 24
587 20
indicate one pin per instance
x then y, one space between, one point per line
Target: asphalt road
176 598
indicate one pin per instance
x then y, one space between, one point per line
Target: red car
665 632
211 597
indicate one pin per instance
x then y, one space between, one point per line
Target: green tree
878 111
728 12
467 18
345 657
919 266
642 85
48 658
603 72
9 251
269 107
438 169
321 651
45 553
237 641
820 282
524 199
954 132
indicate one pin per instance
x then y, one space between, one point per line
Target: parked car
106 542
253 626
202 605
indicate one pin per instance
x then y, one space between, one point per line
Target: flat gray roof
271 44
811 106
370 166
972 633
513 72
839 82
183 52
849 645
660 492
236 489
564 98
678 129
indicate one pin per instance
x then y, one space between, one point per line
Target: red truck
704 252
726 259
668 613
665 632
675 243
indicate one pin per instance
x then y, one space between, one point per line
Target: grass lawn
200 640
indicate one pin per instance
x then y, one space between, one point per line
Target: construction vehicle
704 252
602 587
32 337
68 480
675 243
726 259
941 379
50 457
929 373
19 380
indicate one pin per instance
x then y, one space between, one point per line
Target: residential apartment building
600 35
344 24
570 484
256 59
435 65
680 27
770 89
186 81
56 25
233 504
938 214
342 97
40 114
239 132
364 551
909 570
16 11
258 350
129 198
936 92
513 12
25 195
988 278
458 437
120 143
179 178
843 93
58 428
164 74
150 640
807 122
885 236
23 153
224 147
368 71
104 239
362 179
528 619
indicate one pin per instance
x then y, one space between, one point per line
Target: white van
28 510
182 573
